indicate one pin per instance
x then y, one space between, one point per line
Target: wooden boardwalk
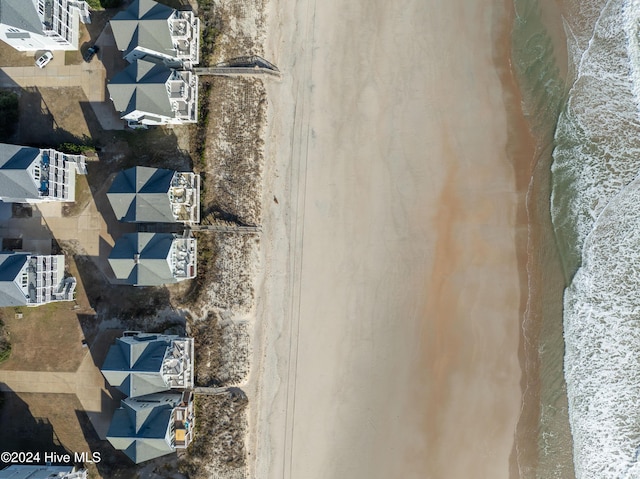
210 391
252 66
256 71
211 228
224 228
232 391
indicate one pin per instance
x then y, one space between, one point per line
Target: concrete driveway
90 76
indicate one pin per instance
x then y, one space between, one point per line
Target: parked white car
45 58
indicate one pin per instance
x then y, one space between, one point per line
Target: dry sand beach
394 276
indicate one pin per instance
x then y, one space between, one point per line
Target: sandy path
391 292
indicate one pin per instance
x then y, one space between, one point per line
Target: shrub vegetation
9 113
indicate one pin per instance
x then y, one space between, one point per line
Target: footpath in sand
391 294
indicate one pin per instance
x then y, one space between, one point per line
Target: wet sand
395 255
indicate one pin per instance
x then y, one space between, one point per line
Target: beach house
156 372
150 29
154 425
139 364
153 259
34 175
143 195
31 25
32 280
148 93
35 471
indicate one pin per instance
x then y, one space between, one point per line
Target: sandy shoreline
393 259
523 152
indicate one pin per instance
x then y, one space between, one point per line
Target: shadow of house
26 230
37 125
21 431
126 307
95 424
45 125
6 81
131 306
98 341
118 150
113 463
38 272
9 110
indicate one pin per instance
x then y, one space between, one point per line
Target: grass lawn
83 197
46 338
56 423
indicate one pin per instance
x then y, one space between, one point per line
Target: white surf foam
598 149
602 337
595 164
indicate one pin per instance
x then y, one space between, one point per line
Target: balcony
183 422
183 258
177 366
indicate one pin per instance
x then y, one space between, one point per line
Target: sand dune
390 303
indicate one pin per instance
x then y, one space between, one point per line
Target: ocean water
595 210
544 445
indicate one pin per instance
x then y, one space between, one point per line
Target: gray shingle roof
143 24
134 363
140 425
10 266
142 258
140 194
20 14
16 471
15 180
142 87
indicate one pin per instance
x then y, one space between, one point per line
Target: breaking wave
596 215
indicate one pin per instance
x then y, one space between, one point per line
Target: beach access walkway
251 66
